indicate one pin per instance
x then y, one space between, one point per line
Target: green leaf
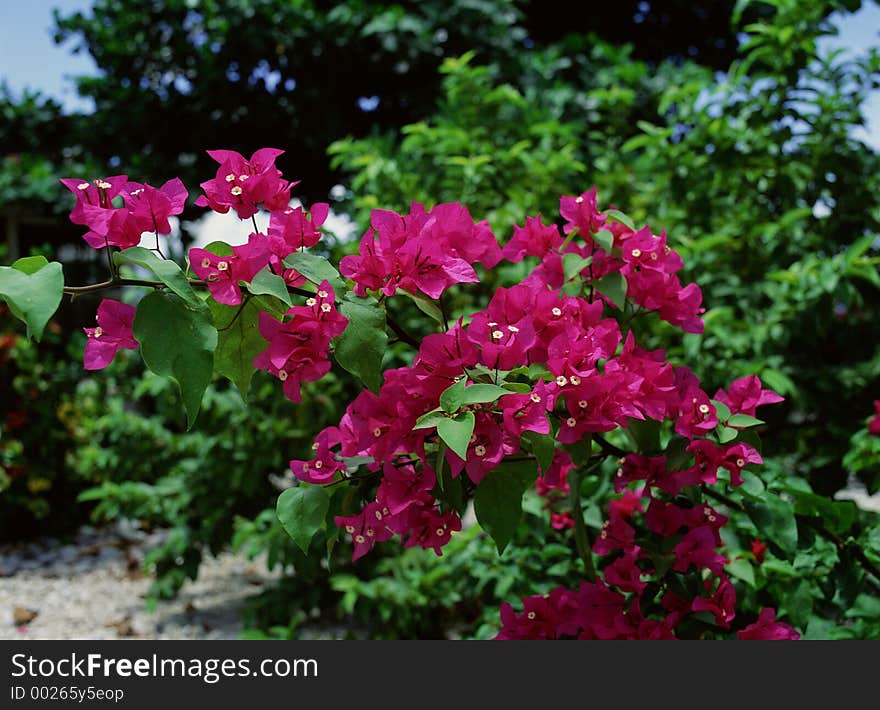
30 264
619 216
316 269
775 519
425 305
219 248
33 291
267 283
604 239
498 500
429 420
238 342
301 511
451 493
573 264
361 346
742 569
838 516
456 433
721 410
482 394
452 397
743 420
167 271
778 381
645 434
613 286
543 448
177 342
677 454
518 387
752 485
726 434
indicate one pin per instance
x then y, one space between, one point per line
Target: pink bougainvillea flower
366 528
697 416
108 224
150 208
527 412
323 467
745 395
534 238
113 333
97 194
721 603
422 251
223 273
298 349
490 443
115 228
243 184
766 628
874 424
582 213
292 229
759 550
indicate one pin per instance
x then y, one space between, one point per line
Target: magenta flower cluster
552 356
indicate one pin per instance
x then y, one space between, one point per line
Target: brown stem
401 334
608 447
74 291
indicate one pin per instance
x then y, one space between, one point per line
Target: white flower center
323 294
310 302
282 375
223 266
561 381
83 186
480 450
230 177
236 190
556 312
325 307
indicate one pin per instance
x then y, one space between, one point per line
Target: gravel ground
93 588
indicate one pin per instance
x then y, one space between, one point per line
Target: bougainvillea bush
545 387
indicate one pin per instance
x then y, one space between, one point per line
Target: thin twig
401 334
